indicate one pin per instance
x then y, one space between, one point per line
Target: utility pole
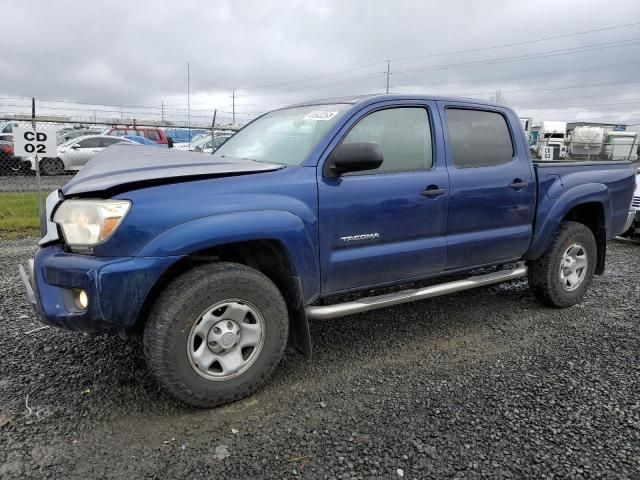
162 114
233 107
189 103
388 73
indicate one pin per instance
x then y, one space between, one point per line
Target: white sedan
74 154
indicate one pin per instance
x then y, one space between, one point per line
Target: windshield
283 137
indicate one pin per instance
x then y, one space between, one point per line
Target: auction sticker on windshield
320 115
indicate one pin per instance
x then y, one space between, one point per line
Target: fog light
81 299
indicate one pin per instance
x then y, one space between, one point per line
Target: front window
283 137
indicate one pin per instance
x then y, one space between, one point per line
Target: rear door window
478 138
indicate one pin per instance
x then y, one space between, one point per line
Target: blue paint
480 220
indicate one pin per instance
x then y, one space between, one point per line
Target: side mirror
353 157
75 146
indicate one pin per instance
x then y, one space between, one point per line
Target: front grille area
635 203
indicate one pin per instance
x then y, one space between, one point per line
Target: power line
516 44
534 56
563 87
634 102
537 75
501 79
472 50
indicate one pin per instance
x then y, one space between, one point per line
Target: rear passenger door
491 207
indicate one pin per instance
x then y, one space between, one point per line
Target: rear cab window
478 138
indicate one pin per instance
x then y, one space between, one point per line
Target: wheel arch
589 204
269 256
592 215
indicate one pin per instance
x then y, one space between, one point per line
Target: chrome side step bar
411 295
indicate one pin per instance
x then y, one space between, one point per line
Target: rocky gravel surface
27 183
482 384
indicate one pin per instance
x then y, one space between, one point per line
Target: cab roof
373 98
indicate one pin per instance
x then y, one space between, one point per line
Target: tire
560 288
9 165
192 308
52 166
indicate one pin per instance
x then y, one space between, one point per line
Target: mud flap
299 335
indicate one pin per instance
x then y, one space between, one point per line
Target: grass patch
19 215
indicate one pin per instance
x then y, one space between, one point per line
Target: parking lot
483 383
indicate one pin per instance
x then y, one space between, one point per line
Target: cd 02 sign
30 143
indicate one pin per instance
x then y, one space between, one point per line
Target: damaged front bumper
116 288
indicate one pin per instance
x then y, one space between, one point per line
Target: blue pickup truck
312 212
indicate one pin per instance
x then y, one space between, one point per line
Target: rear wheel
52 166
562 275
216 334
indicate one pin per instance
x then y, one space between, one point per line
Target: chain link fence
620 148
22 190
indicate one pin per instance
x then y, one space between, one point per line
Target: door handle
433 191
518 184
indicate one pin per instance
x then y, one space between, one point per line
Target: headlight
86 223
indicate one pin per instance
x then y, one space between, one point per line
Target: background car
182 137
75 154
209 147
202 143
144 141
7 127
154 134
9 163
6 137
66 135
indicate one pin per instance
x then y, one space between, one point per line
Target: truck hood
125 167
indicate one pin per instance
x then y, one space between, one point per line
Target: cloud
135 53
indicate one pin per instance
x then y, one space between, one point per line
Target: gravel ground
27 183
485 383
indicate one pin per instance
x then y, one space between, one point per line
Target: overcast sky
135 54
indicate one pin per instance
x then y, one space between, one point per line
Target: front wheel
216 334
562 275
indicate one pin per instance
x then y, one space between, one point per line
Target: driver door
382 226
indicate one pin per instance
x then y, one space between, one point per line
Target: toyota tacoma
313 212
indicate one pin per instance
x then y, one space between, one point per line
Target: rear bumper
116 287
